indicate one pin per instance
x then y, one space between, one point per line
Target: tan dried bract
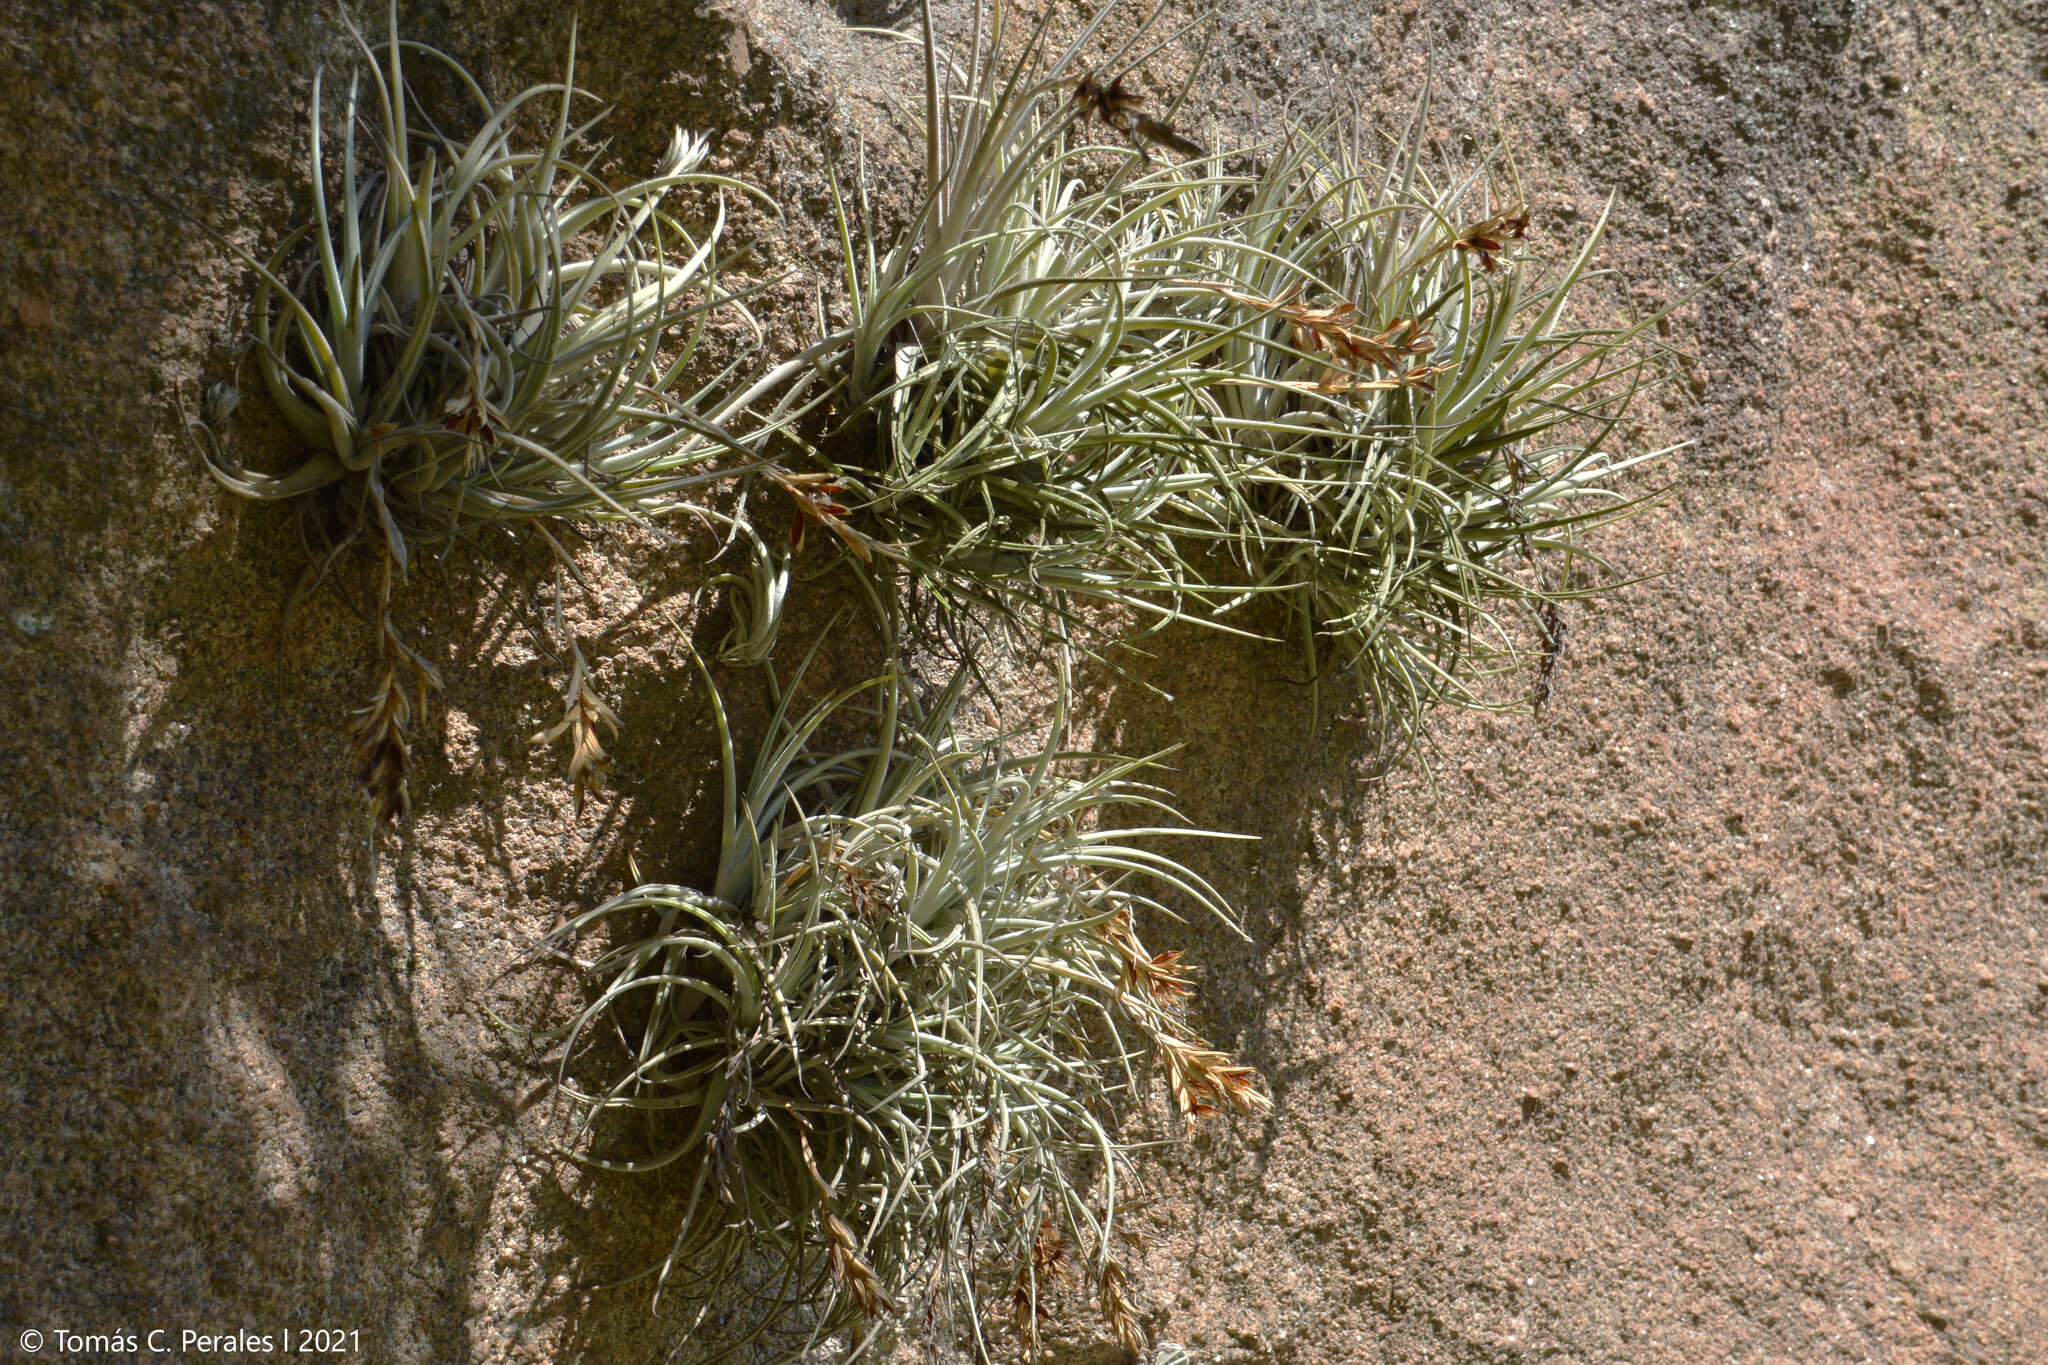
582 712
817 504
1118 1310
1027 1306
843 1261
1488 239
1334 332
854 1276
1160 978
1205 1081
379 741
870 894
470 412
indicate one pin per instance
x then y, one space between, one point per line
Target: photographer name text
293 1341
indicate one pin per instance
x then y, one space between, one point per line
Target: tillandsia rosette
1427 424
1019 362
1291 372
483 331
893 1044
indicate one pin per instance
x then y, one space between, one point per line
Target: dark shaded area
256 1079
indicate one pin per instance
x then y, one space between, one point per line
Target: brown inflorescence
379 743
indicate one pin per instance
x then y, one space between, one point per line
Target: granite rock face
1702 1019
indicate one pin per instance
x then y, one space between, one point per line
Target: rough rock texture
1703 1019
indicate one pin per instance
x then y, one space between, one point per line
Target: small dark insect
1118 108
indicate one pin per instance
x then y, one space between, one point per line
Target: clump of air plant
1021 368
1424 423
889 1046
1179 390
472 333
755 599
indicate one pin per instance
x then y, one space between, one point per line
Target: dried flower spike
852 1274
1118 1310
816 498
1205 1081
843 1261
1027 1306
1329 331
379 738
582 712
1160 978
800 1017
1118 108
1487 240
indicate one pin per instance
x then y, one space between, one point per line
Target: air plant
755 599
889 1045
1176 389
476 332
1425 425
1027 381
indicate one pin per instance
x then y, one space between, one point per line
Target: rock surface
1706 1018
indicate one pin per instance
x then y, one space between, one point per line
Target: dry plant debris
583 711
